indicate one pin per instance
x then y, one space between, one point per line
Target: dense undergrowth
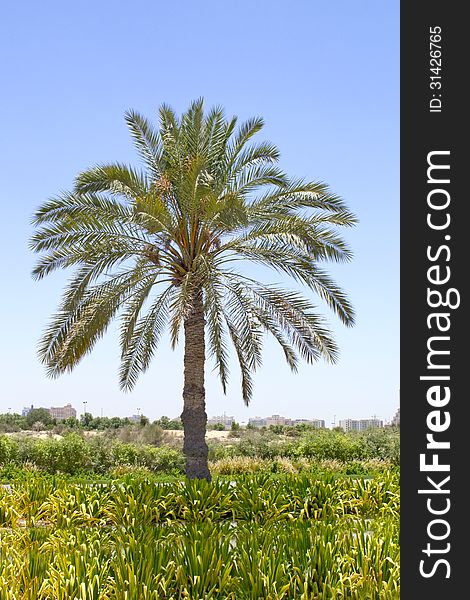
250 537
253 451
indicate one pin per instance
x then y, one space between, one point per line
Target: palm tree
159 247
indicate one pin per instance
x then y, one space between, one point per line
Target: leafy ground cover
246 537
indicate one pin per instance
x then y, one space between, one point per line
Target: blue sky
325 77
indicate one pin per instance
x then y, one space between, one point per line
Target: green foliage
157 239
134 446
8 450
331 445
74 454
144 433
256 537
169 424
10 422
86 420
216 427
38 415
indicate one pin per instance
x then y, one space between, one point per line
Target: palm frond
246 377
297 194
299 266
86 208
306 329
214 310
250 317
115 178
132 309
139 345
147 141
73 333
295 315
246 131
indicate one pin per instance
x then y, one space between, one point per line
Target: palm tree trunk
194 416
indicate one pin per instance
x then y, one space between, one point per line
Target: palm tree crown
161 246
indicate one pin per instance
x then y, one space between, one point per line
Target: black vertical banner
435 434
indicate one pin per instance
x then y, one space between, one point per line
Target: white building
317 423
257 422
279 420
360 424
225 420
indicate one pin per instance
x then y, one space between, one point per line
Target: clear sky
324 74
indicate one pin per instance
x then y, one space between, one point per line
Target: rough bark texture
194 416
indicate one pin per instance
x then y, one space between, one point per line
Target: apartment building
360 424
62 412
224 419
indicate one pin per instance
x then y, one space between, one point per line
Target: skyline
330 102
139 412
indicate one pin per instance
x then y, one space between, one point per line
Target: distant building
317 423
26 410
134 418
225 420
62 412
396 419
257 422
360 424
279 420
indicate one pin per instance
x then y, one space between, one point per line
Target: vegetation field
244 537
149 449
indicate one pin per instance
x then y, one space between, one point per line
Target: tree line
40 419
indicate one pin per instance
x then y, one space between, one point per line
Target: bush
383 444
216 427
316 451
219 450
8 450
36 415
331 445
239 465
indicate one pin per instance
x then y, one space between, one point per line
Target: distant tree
95 423
169 424
235 430
144 420
71 422
216 427
10 422
38 414
163 422
151 434
86 420
115 422
292 431
103 423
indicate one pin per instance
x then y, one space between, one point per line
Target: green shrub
316 451
8 450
